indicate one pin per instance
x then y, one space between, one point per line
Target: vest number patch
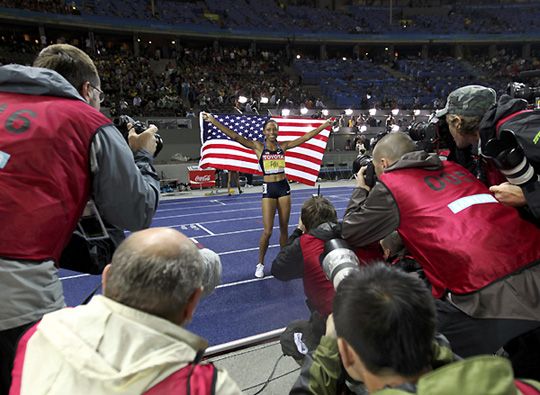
4 157
465 202
19 122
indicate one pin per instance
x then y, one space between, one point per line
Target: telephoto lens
510 158
338 260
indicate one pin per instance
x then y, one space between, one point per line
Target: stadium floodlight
303 111
242 99
416 112
348 111
298 56
372 111
264 100
325 112
285 112
395 128
363 128
395 112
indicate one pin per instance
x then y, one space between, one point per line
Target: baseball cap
470 100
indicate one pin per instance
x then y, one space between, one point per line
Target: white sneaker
259 271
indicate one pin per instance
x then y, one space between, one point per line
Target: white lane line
206 230
222 211
237 219
244 282
245 250
240 231
75 276
236 202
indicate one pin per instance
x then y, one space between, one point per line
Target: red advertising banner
201 178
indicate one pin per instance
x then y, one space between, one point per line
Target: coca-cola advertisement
201 178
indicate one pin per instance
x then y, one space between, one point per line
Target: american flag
302 163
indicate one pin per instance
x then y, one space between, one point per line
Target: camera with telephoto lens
430 134
510 158
520 90
338 261
369 175
122 124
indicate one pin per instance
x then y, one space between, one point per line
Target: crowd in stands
198 79
276 15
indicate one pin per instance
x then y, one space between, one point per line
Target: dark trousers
470 336
8 347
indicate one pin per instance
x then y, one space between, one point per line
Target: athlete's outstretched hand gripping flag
302 163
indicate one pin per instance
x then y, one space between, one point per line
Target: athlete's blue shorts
275 190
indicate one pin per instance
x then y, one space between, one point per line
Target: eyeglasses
101 94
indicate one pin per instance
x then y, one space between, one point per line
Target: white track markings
244 282
210 233
236 202
75 276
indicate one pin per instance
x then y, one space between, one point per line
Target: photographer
383 333
479 256
300 258
131 339
501 132
57 151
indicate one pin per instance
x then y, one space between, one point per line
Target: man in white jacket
130 340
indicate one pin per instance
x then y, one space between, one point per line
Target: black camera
369 175
122 124
338 261
431 134
520 90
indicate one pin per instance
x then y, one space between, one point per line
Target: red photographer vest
463 238
44 172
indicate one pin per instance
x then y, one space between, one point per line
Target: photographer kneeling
385 335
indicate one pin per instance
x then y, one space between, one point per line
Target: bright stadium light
395 112
264 100
303 111
395 128
363 128
242 99
372 111
416 113
348 111
285 112
325 112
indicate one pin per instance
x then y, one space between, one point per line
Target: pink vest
45 182
463 238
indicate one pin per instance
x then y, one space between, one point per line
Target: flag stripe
302 163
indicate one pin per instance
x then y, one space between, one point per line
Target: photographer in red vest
479 256
57 151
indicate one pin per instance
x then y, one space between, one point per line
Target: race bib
273 166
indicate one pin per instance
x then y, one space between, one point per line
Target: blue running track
230 225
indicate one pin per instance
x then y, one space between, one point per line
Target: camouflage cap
470 100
